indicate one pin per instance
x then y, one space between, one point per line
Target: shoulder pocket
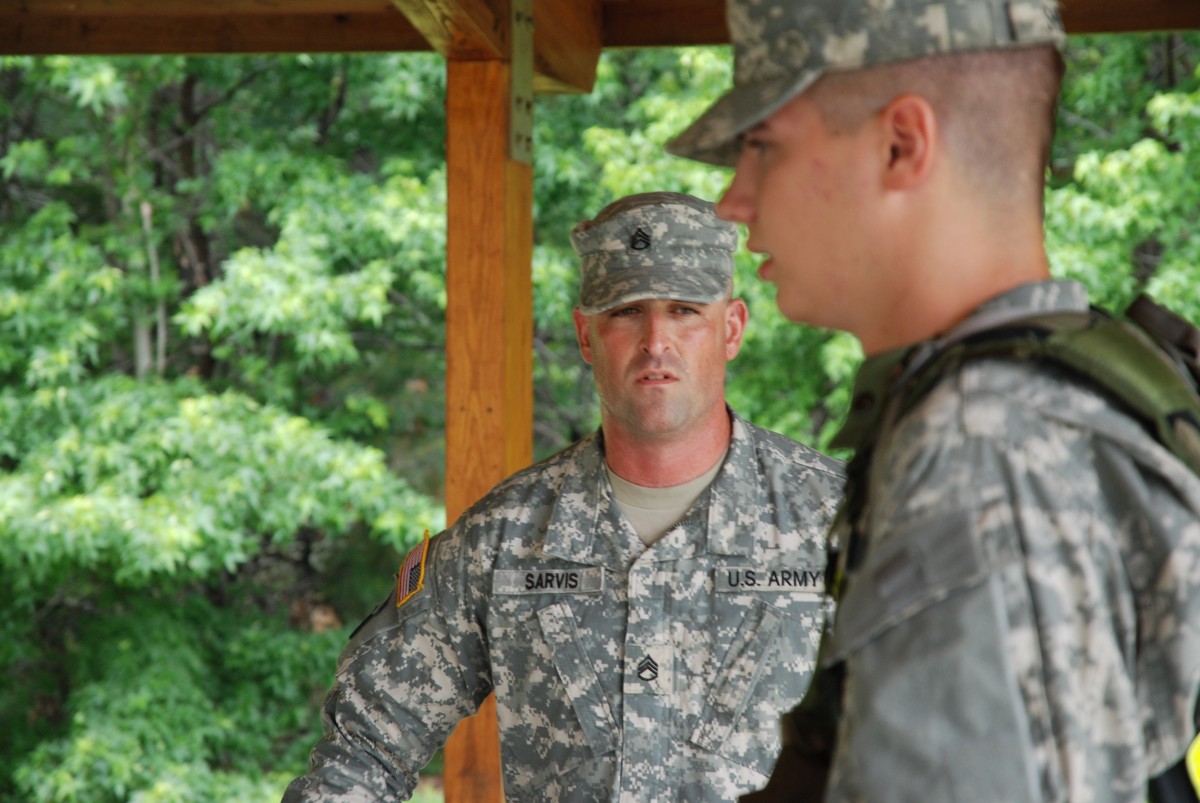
386 616
915 567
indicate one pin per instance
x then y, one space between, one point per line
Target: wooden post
489 342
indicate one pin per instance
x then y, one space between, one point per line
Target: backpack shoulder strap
1116 355
1176 334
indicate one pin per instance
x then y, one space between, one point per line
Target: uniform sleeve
408 675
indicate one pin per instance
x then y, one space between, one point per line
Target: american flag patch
412 572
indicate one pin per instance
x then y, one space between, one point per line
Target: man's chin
653 427
793 312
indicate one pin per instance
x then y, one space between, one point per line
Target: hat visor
713 138
647 294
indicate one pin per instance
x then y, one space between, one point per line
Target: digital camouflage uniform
1034 549
1020 619
621 672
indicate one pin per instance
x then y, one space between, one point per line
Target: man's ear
911 135
584 333
736 316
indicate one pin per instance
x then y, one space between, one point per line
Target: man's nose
656 336
736 203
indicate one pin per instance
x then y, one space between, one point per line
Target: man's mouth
652 374
764 267
754 249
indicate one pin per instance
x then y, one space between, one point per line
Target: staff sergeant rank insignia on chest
750 578
548 581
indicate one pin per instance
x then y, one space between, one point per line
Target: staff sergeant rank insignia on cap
665 245
411 578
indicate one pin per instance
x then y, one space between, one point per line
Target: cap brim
713 137
651 295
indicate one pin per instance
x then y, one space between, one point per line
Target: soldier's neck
669 460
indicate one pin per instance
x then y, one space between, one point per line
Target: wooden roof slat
461 28
1129 16
664 23
79 34
196 8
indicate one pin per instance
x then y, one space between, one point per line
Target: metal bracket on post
520 118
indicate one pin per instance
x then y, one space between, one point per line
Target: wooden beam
659 23
489 313
463 29
489 342
566 45
664 23
1127 16
73 34
564 30
192 8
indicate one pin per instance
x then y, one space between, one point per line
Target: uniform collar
585 507
737 496
878 373
578 508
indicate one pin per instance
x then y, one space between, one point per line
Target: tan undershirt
653 511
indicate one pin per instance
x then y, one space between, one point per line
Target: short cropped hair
995 108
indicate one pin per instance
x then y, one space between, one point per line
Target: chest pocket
578 676
725 714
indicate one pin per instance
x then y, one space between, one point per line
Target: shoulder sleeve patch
411 578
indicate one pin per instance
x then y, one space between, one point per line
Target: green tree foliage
1127 170
220 330
222 323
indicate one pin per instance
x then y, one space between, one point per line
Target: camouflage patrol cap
654 245
781 47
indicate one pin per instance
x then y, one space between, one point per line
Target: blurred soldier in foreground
1018 579
644 603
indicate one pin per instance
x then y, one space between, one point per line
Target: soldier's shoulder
529 494
1047 391
780 450
543 478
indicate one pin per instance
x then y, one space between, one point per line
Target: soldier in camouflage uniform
644 603
1019 560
